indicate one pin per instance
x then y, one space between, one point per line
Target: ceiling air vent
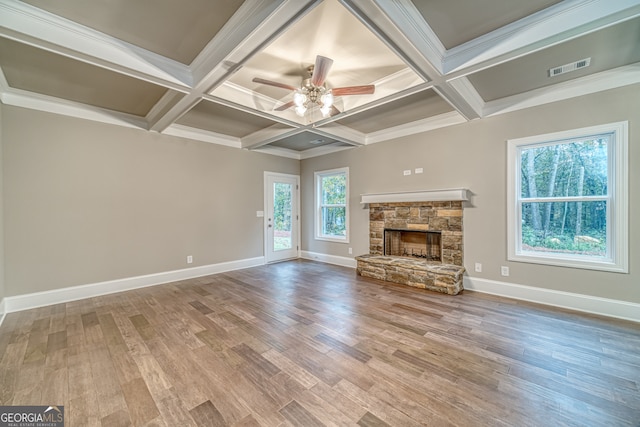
567 68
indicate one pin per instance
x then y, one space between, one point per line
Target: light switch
260 214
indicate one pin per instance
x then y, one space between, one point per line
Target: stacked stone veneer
445 217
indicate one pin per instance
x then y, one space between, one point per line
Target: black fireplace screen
413 243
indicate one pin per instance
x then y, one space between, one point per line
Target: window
332 207
567 198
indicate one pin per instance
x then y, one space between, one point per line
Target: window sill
333 239
595 264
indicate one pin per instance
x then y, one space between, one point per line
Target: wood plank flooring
301 343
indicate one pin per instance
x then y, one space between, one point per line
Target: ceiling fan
313 90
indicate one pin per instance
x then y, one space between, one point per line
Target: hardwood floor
308 344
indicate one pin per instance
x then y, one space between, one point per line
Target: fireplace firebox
419 244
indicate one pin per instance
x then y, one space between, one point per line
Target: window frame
318 177
617 199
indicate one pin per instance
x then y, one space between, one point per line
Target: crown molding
419 126
322 151
50 104
605 80
301 155
202 135
561 22
279 151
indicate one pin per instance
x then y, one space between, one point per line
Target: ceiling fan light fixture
300 110
299 98
327 99
325 110
314 92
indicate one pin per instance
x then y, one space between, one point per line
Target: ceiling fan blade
272 83
334 111
284 106
321 70
353 90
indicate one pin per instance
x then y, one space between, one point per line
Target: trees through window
332 210
567 198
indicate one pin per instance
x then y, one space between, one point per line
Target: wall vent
567 68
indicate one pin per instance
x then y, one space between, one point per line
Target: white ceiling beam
340 133
27 24
403 28
241 98
253 26
556 24
393 97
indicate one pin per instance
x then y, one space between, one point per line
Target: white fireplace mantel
452 194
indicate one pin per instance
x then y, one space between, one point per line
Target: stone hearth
443 216
445 278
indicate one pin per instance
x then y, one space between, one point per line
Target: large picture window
332 207
567 198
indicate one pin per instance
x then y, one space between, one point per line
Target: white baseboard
590 304
329 259
57 296
3 311
585 303
579 302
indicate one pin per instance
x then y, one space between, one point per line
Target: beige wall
87 202
473 155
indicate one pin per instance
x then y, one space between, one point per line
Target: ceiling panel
224 120
305 141
456 22
176 29
43 72
609 48
406 110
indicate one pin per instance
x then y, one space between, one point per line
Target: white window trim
618 200
317 212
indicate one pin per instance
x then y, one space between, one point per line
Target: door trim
265 231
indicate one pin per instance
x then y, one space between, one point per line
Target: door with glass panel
281 216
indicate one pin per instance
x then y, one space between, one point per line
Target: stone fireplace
416 242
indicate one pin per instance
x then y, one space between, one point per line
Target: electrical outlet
504 270
478 267
189 259
418 170
407 172
350 251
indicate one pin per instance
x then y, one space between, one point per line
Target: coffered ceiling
188 68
